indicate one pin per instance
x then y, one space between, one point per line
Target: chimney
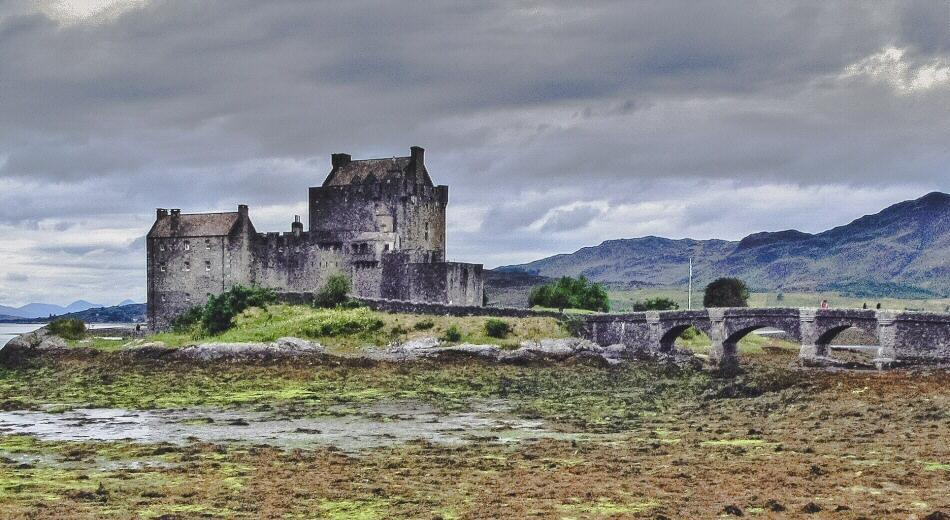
161 213
176 220
242 210
340 159
418 155
297 226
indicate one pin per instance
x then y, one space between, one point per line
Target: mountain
903 251
118 314
127 302
43 310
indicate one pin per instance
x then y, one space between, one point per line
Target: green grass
353 328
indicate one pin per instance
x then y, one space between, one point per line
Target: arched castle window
187 245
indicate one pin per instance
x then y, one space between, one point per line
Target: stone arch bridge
904 337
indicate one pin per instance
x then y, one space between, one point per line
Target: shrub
726 292
690 333
188 319
496 328
342 322
424 325
334 292
655 304
67 328
220 310
567 292
452 335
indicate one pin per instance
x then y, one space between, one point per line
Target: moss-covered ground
639 441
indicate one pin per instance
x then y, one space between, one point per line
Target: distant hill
118 314
903 251
43 310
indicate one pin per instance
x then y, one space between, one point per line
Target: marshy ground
552 441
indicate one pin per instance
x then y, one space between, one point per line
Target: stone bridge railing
903 336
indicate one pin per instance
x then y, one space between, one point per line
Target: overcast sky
556 124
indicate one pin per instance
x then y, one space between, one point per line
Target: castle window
161 267
161 246
280 250
187 266
187 245
208 244
163 298
297 249
385 247
207 265
427 231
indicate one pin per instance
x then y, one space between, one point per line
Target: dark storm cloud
523 107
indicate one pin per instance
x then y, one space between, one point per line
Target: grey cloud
16 277
523 107
570 219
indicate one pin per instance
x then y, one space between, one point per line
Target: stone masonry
381 222
904 337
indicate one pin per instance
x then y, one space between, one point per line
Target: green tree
573 293
655 304
726 292
334 292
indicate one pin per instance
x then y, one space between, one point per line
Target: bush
452 335
655 304
188 320
496 328
690 333
579 293
726 292
339 322
424 325
334 292
220 310
67 328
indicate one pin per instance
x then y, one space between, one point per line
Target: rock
733 510
283 348
487 352
811 508
774 506
937 515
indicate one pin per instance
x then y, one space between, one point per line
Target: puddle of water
380 424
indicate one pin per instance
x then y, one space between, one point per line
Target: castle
381 222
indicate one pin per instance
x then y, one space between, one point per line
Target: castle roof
371 171
195 225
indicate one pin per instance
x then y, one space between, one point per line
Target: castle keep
381 222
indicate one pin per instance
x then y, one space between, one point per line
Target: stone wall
433 309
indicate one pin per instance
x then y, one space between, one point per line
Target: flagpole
689 293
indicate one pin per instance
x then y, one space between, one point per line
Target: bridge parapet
903 336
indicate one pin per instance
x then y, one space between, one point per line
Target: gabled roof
370 171
195 225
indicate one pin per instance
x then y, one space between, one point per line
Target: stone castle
380 222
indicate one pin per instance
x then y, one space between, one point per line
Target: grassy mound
351 328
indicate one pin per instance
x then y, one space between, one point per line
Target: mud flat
109 435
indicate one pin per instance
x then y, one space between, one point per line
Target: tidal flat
104 438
